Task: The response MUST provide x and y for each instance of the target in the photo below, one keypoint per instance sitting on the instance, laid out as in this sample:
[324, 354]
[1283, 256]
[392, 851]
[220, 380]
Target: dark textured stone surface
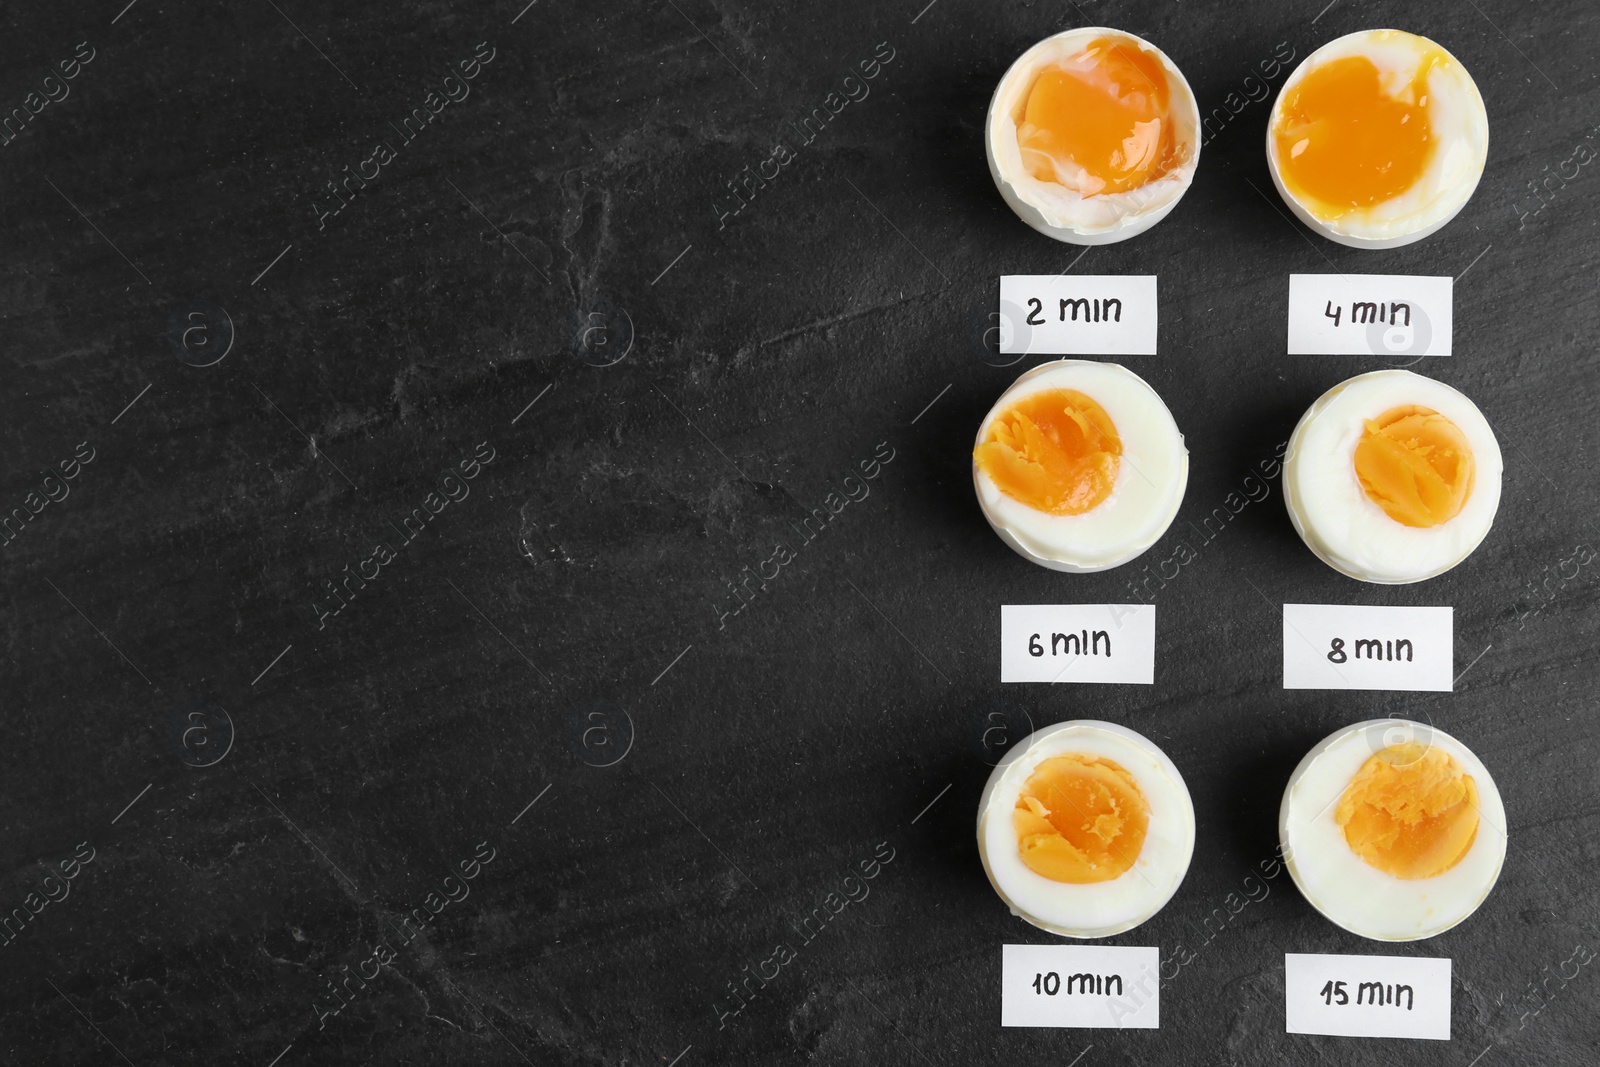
[526, 636]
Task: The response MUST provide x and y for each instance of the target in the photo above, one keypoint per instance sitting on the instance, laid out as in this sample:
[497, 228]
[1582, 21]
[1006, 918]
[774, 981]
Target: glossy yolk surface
[1056, 451]
[1080, 819]
[1344, 143]
[1410, 811]
[1416, 465]
[1098, 123]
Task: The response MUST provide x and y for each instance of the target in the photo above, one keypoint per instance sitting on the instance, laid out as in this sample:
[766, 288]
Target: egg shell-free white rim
[1147, 886]
[1309, 517]
[1331, 230]
[1183, 106]
[1487, 853]
[1070, 374]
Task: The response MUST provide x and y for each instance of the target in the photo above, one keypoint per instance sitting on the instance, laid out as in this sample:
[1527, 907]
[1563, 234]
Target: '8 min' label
[1343, 646]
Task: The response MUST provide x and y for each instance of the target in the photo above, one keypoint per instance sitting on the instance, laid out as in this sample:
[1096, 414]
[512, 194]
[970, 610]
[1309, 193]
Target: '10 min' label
[1080, 986]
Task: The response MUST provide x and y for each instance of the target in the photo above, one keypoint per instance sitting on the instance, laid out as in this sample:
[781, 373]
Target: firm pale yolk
[1056, 451]
[1416, 465]
[1410, 811]
[1098, 123]
[1345, 144]
[1080, 819]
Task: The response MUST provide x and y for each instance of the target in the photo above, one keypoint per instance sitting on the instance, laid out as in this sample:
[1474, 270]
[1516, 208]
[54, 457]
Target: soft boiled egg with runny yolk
[1378, 139]
[1085, 829]
[1079, 466]
[1098, 122]
[1391, 477]
[1093, 136]
[1393, 830]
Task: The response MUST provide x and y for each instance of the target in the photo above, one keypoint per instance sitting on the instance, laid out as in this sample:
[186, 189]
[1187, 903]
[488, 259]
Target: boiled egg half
[1085, 829]
[1393, 830]
[1093, 136]
[1079, 466]
[1391, 477]
[1378, 139]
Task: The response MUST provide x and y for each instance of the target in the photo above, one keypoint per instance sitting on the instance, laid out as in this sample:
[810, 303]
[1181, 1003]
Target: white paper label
[1078, 643]
[1080, 986]
[1370, 314]
[1078, 314]
[1338, 646]
[1367, 996]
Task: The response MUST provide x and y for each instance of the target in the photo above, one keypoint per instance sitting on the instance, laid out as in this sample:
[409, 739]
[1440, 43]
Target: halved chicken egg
[1085, 829]
[1093, 136]
[1378, 139]
[1393, 830]
[1391, 477]
[1079, 466]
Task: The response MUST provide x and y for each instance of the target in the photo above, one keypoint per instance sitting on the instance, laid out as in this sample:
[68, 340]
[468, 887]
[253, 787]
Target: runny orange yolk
[1410, 811]
[1416, 465]
[1098, 123]
[1344, 143]
[1056, 451]
[1080, 819]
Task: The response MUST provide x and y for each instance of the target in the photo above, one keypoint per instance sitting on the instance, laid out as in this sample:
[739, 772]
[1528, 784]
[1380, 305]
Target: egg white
[1456, 115]
[1151, 476]
[1333, 514]
[1098, 909]
[1344, 887]
[1063, 213]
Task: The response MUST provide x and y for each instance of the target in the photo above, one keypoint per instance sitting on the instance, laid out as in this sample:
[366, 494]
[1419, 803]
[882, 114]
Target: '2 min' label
[1078, 314]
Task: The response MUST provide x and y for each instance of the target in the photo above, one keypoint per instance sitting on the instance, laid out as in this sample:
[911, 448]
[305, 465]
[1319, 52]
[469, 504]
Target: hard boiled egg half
[1079, 466]
[1093, 136]
[1085, 829]
[1391, 477]
[1393, 830]
[1378, 139]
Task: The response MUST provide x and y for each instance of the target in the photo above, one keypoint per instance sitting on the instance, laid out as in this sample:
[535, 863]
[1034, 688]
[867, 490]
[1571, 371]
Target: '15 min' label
[1336, 646]
[1367, 996]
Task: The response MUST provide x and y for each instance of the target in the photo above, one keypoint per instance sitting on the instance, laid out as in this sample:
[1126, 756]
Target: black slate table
[429, 376]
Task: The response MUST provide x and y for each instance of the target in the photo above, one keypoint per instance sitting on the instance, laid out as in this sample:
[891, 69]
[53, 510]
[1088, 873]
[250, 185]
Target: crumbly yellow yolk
[1080, 819]
[1346, 143]
[1416, 465]
[1410, 811]
[1056, 451]
[1099, 124]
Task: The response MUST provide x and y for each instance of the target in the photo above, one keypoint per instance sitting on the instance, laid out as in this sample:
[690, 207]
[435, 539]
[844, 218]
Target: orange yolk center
[1344, 143]
[1080, 819]
[1056, 451]
[1098, 123]
[1410, 811]
[1416, 465]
